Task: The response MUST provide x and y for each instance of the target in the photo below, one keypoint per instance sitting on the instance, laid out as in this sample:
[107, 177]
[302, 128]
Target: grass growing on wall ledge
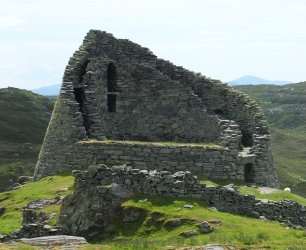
[173, 144]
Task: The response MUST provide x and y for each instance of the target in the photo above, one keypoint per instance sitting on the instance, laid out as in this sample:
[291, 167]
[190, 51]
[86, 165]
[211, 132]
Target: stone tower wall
[153, 101]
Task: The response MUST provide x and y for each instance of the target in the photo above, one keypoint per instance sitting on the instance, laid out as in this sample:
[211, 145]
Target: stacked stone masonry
[99, 179]
[214, 162]
[115, 89]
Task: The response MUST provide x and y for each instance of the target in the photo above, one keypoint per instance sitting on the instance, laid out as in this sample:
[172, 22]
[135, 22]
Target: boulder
[24, 179]
[131, 214]
[2, 210]
[205, 227]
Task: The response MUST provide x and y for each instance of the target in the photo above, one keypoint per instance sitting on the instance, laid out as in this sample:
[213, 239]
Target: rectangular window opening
[111, 103]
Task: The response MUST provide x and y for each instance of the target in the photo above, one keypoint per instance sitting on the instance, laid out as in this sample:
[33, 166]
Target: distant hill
[285, 109]
[24, 117]
[52, 90]
[246, 80]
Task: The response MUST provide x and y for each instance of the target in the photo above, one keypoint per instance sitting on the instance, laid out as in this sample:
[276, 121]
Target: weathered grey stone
[187, 109]
[92, 170]
[175, 222]
[204, 227]
[2, 210]
[55, 241]
[131, 214]
[120, 190]
[189, 233]
[24, 179]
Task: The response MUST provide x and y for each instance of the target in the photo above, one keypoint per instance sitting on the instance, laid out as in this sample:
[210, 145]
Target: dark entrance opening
[247, 139]
[111, 103]
[111, 78]
[111, 87]
[79, 95]
[82, 72]
[249, 172]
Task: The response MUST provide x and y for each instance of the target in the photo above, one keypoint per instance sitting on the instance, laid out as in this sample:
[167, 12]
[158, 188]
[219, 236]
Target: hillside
[162, 220]
[154, 222]
[24, 117]
[285, 109]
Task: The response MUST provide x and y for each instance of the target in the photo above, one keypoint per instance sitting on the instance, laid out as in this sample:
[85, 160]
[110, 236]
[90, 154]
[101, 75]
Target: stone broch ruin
[120, 104]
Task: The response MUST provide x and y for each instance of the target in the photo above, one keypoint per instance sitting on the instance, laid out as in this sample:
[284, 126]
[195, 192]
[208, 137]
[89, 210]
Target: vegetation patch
[15, 200]
[173, 144]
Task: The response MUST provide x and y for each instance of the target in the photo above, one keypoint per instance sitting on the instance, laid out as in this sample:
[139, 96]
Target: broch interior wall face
[115, 89]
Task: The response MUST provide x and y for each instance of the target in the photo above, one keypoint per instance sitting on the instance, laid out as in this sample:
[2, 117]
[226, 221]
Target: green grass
[174, 144]
[13, 201]
[240, 231]
[234, 229]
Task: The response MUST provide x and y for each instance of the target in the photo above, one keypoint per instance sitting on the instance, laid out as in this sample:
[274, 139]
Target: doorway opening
[249, 173]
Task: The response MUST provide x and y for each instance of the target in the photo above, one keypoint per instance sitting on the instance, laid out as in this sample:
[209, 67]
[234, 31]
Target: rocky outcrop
[85, 212]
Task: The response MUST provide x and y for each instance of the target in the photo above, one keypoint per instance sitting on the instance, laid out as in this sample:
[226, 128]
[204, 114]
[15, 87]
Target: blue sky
[222, 39]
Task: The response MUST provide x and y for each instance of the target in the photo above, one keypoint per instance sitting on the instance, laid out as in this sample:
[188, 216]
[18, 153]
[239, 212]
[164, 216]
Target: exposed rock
[205, 227]
[131, 214]
[2, 210]
[13, 187]
[92, 209]
[92, 171]
[254, 214]
[214, 247]
[28, 216]
[53, 241]
[175, 222]
[189, 233]
[213, 209]
[24, 179]
[121, 190]
[188, 206]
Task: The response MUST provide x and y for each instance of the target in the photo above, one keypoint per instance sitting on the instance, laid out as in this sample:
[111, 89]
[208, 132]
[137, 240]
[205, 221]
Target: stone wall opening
[111, 103]
[111, 78]
[79, 95]
[249, 172]
[247, 139]
[82, 72]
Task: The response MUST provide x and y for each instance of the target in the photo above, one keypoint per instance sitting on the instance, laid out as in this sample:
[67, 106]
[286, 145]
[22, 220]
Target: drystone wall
[115, 89]
[99, 191]
[213, 162]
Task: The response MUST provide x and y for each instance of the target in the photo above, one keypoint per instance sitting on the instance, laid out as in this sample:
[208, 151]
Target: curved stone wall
[115, 89]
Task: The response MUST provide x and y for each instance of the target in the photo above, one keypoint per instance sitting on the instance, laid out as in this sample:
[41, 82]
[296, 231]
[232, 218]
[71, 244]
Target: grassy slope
[285, 109]
[234, 229]
[24, 117]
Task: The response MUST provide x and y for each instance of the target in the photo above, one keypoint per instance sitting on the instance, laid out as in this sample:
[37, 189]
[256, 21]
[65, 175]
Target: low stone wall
[96, 187]
[213, 162]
